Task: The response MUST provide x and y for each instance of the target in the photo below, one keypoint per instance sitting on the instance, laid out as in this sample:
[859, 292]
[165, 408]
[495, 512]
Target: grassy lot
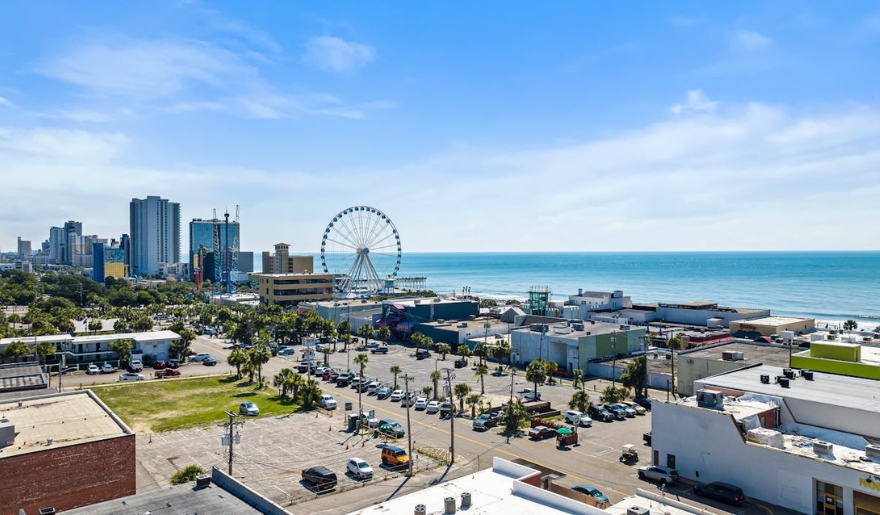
[172, 404]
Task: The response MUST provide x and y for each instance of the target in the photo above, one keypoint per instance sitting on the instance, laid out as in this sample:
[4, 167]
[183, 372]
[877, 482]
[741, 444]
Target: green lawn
[167, 405]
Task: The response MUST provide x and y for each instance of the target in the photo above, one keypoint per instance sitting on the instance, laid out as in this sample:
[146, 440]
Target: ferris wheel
[362, 245]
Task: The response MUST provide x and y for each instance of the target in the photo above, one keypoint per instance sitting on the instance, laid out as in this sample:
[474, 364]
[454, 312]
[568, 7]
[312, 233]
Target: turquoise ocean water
[829, 286]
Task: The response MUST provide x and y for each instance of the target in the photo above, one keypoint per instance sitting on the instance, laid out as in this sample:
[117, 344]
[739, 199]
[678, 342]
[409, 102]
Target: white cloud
[751, 40]
[696, 102]
[335, 54]
[5, 102]
[50, 144]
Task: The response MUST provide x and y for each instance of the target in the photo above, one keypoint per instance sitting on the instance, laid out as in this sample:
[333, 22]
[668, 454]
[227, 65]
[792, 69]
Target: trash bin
[352, 422]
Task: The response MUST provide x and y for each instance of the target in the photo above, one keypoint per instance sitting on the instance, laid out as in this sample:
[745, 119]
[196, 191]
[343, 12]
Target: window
[829, 499]
[670, 461]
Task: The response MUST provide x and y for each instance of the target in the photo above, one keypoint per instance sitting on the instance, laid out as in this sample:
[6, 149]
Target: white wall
[708, 447]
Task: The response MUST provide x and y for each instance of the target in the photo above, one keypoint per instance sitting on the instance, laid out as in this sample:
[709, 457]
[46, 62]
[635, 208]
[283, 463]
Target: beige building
[291, 289]
[771, 325]
[283, 263]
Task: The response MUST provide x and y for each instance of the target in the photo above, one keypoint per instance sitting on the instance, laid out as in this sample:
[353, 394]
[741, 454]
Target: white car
[360, 469]
[93, 369]
[136, 365]
[107, 368]
[129, 376]
[432, 407]
[327, 402]
[396, 395]
[373, 387]
[421, 403]
[408, 400]
[576, 418]
[200, 357]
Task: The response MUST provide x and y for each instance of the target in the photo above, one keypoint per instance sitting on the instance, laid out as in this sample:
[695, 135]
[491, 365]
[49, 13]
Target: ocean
[827, 286]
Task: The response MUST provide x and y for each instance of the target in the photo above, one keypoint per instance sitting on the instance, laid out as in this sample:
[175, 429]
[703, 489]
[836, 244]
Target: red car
[159, 365]
[541, 432]
[168, 372]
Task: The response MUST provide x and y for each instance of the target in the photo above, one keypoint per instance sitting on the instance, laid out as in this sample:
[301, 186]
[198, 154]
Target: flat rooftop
[69, 418]
[870, 355]
[149, 336]
[850, 392]
[25, 376]
[30, 340]
[776, 356]
[774, 320]
[175, 499]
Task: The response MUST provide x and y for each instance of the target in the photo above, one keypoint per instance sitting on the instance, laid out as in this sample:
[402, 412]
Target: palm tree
[611, 394]
[634, 376]
[444, 349]
[122, 348]
[472, 400]
[95, 325]
[435, 376]
[260, 355]
[481, 351]
[294, 383]
[43, 350]
[280, 381]
[186, 337]
[310, 393]
[426, 391]
[464, 351]
[499, 352]
[248, 368]
[384, 333]
[461, 390]
[551, 367]
[850, 325]
[17, 349]
[580, 400]
[361, 359]
[237, 358]
[366, 332]
[512, 414]
[536, 373]
[482, 371]
[395, 369]
[577, 378]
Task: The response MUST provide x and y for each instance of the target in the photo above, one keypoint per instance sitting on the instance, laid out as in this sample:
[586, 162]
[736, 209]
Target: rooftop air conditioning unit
[739, 356]
[638, 510]
[783, 381]
[787, 372]
[820, 447]
[808, 375]
[872, 451]
[203, 480]
[765, 378]
[710, 398]
[728, 355]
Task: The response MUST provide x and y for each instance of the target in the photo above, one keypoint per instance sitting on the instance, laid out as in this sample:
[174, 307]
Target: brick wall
[68, 477]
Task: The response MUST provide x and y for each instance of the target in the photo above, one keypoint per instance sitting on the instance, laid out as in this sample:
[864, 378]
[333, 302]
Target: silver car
[662, 475]
[360, 469]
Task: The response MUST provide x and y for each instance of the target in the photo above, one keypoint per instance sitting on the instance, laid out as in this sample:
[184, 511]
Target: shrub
[186, 475]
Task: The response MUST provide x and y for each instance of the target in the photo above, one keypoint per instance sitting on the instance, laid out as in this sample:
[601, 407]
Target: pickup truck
[530, 395]
[383, 349]
[485, 421]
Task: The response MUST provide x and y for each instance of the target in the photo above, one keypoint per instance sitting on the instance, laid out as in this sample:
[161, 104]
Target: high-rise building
[212, 235]
[283, 263]
[72, 231]
[155, 234]
[107, 261]
[125, 245]
[24, 247]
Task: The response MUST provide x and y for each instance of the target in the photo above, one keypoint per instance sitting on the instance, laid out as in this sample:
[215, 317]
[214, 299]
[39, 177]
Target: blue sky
[476, 126]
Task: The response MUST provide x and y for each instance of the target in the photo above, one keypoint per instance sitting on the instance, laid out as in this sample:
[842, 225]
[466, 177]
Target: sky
[475, 126]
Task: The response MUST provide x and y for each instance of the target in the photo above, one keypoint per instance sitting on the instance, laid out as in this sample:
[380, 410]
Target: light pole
[614, 359]
[449, 377]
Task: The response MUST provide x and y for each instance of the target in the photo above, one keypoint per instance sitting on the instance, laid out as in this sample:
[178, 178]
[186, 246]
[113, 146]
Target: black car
[645, 403]
[461, 363]
[445, 410]
[720, 491]
[302, 369]
[599, 413]
[320, 479]
[422, 354]
[210, 362]
[173, 363]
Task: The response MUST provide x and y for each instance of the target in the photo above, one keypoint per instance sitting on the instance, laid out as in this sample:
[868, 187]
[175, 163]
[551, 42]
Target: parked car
[320, 479]
[380, 350]
[461, 362]
[541, 432]
[381, 393]
[639, 410]
[663, 475]
[530, 395]
[721, 491]
[287, 351]
[210, 362]
[107, 369]
[485, 421]
[373, 387]
[393, 456]
[445, 409]
[645, 403]
[136, 365]
[432, 407]
[396, 395]
[600, 413]
[173, 363]
[421, 403]
[93, 369]
[392, 427]
[422, 354]
[248, 408]
[360, 469]
[130, 376]
[302, 368]
[327, 402]
[576, 418]
[344, 379]
[592, 492]
[168, 372]
[366, 421]
[616, 410]
[627, 410]
[160, 365]
[408, 400]
[202, 356]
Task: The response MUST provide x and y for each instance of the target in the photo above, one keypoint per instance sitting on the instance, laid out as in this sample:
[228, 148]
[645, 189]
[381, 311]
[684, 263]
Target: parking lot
[275, 450]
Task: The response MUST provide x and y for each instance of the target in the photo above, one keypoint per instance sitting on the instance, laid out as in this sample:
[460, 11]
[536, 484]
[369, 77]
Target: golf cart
[630, 455]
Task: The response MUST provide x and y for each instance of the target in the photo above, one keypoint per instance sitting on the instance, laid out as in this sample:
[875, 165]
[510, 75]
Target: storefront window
[829, 499]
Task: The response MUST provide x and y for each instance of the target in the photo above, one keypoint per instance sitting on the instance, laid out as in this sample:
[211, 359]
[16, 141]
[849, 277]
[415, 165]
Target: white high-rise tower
[155, 234]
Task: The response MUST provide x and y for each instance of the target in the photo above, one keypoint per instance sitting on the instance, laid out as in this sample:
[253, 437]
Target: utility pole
[230, 438]
[449, 377]
[406, 379]
[614, 359]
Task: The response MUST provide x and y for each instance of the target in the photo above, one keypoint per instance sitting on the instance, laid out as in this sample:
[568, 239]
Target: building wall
[68, 477]
[804, 360]
[708, 447]
[701, 316]
[690, 369]
[294, 288]
[749, 326]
